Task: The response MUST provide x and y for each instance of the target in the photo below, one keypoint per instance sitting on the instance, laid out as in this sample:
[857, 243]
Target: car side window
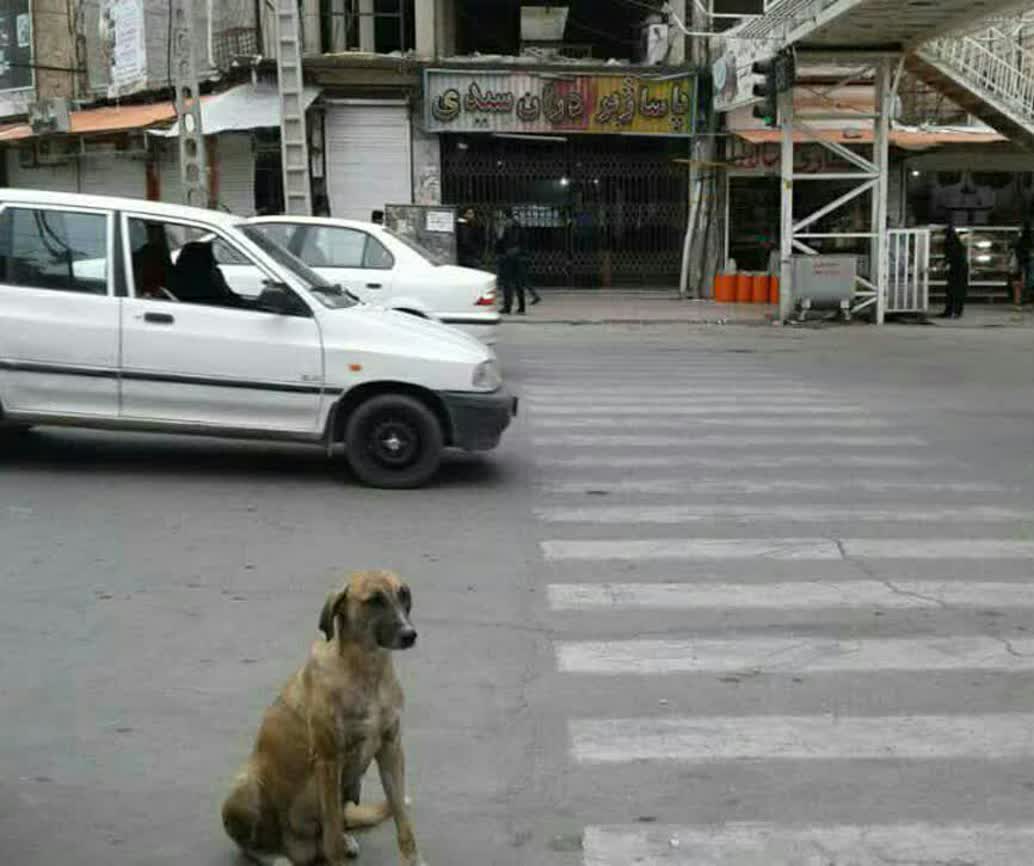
[377, 257]
[59, 250]
[334, 248]
[176, 262]
[278, 233]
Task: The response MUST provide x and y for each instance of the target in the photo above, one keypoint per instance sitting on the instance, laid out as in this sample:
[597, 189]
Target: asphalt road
[725, 596]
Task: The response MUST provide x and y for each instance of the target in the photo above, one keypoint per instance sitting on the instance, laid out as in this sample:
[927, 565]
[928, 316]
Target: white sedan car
[386, 270]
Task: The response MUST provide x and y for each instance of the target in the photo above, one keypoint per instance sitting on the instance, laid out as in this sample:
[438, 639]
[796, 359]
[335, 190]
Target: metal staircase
[988, 72]
[293, 136]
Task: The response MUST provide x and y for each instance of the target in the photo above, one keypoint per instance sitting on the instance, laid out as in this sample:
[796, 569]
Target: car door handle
[160, 318]
[375, 285]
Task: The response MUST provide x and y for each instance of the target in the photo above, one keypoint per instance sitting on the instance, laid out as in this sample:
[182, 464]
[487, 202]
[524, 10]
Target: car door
[195, 352]
[59, 316]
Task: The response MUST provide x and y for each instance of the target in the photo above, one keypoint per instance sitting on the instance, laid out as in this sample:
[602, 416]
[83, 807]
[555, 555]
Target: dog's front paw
[351, 846]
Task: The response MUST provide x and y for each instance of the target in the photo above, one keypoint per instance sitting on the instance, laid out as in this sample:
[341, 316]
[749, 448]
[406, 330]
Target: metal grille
[597, 211]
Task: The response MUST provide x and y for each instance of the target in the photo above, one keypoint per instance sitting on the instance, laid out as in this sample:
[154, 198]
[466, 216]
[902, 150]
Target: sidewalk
[655, 306]
[663, 306]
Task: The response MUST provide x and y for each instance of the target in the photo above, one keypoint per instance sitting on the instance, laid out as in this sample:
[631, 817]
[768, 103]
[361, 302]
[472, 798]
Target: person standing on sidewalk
[509, 249]
[1020, 265]
[958, 274]
[470, 240]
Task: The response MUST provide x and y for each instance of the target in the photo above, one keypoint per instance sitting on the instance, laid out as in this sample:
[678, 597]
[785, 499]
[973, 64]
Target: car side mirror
[276, 298]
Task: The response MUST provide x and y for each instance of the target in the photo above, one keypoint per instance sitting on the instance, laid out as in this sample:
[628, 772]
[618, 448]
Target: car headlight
[487, 376]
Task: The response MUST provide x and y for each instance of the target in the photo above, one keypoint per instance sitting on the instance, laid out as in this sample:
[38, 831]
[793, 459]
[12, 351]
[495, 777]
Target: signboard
[536, 102]
[16, 54]
[123, 45]
[734, 83]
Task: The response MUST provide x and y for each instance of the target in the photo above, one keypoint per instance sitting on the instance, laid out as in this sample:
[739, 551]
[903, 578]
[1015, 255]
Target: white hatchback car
[383, 268]
[115, 314]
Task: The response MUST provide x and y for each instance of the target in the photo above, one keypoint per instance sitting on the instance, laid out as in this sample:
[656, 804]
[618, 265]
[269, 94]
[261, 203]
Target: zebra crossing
[733, 526]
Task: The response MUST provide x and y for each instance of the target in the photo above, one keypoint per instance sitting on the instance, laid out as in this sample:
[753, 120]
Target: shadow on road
[83, 452]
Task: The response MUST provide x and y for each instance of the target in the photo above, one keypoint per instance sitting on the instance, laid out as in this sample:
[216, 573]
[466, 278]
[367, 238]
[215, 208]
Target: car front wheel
[394, 442]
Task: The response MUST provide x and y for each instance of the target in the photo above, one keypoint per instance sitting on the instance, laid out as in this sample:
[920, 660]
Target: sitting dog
[298, 794]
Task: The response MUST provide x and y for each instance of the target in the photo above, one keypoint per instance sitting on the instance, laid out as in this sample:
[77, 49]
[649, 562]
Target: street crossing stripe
[803, 738]
[677, 514]
[705, 409]
[835, 426]
[796, 595]
[591, 440]
[786, 549]
[811, 460]
[794, 655]
[758, 844]
[754, 487]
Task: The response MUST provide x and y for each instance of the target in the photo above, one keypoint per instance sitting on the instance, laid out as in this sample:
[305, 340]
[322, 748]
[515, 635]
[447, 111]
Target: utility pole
[193, 158]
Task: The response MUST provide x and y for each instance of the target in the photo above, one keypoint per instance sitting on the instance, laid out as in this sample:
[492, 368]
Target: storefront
[593, 165]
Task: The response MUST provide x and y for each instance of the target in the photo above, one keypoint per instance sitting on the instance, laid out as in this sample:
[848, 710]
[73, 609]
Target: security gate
[597, 210]
[908, 282]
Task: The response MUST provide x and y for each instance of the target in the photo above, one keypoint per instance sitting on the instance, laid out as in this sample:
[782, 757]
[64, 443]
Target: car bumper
[479, 420]
[483, 327]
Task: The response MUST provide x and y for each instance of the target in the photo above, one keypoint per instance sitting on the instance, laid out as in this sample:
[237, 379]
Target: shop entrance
[598, 211]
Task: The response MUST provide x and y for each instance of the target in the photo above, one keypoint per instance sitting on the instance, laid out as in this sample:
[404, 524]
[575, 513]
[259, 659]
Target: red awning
[115, 118]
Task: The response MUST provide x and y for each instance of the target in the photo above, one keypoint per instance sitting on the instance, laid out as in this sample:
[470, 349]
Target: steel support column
[786, 235]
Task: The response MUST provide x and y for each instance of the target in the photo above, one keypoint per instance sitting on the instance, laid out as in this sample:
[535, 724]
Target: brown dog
[299, 791]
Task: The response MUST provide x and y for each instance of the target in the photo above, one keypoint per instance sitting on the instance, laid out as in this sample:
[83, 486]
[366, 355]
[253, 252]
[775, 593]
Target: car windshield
[326, 292]
[435, 259]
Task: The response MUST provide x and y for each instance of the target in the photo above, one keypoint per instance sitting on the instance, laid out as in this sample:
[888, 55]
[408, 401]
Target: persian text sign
[529, 102]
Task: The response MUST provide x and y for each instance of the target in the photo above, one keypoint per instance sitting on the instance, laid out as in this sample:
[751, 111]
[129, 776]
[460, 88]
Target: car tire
[394, 442]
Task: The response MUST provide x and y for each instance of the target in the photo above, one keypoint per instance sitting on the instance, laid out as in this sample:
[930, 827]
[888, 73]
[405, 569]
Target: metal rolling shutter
[369, 157]
[108, 174]
[51, 178]
[236, 157]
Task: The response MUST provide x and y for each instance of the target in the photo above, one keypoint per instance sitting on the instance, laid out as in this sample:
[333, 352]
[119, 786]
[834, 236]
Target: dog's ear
[330, 612]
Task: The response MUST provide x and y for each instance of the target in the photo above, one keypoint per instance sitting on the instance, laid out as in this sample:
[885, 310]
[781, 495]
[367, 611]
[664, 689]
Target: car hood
[424, 333]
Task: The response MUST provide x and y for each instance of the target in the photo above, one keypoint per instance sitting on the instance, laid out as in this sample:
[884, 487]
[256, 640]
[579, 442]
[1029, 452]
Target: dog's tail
[366, 817]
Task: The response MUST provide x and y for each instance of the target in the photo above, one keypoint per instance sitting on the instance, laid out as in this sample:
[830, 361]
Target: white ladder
[293, 136]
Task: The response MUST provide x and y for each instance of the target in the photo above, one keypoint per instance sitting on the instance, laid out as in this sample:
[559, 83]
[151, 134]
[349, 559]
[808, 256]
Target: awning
[906, 139]
[249, 106]
[93, 121]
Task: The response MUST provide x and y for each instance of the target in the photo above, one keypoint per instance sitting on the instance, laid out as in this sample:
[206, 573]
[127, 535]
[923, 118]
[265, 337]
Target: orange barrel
[744, 288]
[725, 288]
[759, 288]
[773, 290]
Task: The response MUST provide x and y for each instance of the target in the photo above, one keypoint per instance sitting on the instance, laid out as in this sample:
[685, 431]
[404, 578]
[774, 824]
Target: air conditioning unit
[50, 116]
[543, 23]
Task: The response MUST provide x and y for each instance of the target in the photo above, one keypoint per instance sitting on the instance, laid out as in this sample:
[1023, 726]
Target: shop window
[381, 26]
[57, 250]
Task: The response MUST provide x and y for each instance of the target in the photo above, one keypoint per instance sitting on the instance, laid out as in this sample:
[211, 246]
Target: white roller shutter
[110, 174]
[236, 157]
[51, 178]
[369, 157]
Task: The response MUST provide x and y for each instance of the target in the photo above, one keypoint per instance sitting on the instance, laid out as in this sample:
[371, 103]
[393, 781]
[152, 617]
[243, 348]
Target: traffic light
[779, 75]
[768, 109]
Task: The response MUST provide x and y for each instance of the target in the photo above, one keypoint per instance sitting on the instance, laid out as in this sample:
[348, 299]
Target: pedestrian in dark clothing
[470, 240]
[1020, 264]
[508, 249]
[958, 275]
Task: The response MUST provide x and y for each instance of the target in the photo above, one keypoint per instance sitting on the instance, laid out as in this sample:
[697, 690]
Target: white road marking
[796, 595]
[677, 514]
[787, 549]
[744, 461]
[808, 424]
[604, 401]
[757, 844]
[693, 548]
[708, 410]
[794, 655]
[803, 738]
[711, 441]
[754, 487]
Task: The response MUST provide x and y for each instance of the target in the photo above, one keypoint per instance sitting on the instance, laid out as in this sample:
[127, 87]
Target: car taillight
[487, 299]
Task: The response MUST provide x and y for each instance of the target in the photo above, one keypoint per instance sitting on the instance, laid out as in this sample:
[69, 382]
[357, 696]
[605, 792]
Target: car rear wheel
[394, 442]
